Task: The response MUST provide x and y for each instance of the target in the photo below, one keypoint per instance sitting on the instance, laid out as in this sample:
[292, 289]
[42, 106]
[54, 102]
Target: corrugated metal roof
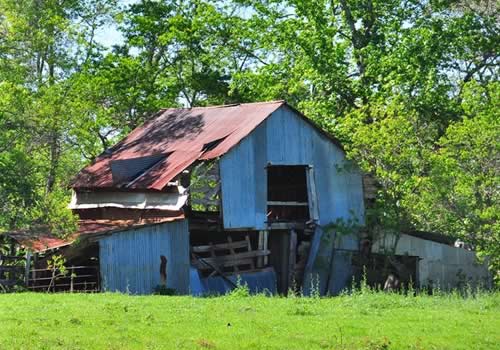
[182, 136]
[40, 240]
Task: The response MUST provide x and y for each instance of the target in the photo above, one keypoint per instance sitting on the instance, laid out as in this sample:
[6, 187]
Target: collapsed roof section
[40, 240]
[156, 152]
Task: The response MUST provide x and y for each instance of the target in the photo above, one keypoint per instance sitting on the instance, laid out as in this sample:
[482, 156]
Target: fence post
[98, 282]
[27, 269]
[71, 279]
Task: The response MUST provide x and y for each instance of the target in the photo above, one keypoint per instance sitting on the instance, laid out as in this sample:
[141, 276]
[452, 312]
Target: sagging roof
[172, 140]
[432, 236]
[39, 240]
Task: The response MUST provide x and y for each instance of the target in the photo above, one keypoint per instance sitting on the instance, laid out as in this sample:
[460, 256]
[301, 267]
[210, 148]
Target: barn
[197, 200]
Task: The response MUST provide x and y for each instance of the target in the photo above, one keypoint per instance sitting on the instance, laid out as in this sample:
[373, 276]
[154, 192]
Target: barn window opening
[204, 187]
[287, 193]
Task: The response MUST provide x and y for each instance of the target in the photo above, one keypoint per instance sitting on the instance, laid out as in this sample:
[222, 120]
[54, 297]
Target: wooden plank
[311, 194]
[202, 266]
[27, 268]
[75, 268]
[260, 260]
[227, 259]
[63, 285]
[247, 238]
[265, 269]
[61, 277]
[219, 246]
[287, 204]
[285, 225]
[266, 237]
[292, 258]
[212, 254]
[232, 252]
[35, 262]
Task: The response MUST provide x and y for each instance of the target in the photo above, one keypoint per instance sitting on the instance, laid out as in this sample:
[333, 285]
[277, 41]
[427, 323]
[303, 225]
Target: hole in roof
[212, 144]
[125, 170]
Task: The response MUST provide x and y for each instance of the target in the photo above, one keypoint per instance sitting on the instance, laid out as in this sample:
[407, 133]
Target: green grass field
[369, 321]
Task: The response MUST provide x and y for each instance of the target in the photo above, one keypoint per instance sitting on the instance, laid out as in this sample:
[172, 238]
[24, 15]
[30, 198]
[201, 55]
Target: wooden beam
[201, 265]
[232, 252]
[219, 246]
[292, 257]
[266, 236]
[260, 246]
[231, 259]
[311, 194]
[286, 225]
[252, 264]
[27, 267]
[263, 238]
[287, 204]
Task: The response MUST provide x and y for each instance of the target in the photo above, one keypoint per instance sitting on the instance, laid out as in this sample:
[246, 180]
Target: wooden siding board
[130, 260]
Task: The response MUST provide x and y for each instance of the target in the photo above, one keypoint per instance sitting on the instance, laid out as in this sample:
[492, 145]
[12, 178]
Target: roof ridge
[224, 105]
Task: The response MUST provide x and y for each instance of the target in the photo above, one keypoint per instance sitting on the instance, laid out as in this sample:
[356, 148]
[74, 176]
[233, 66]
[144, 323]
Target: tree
[392, 80]
[44, 44]
[461, 195]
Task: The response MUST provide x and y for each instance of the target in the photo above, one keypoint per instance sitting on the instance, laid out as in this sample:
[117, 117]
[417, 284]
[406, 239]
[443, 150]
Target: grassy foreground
[362, 321]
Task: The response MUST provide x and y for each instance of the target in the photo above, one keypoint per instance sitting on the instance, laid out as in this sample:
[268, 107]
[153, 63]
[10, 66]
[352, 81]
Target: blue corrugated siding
[257, 282]
[286, 139]
[130, 260]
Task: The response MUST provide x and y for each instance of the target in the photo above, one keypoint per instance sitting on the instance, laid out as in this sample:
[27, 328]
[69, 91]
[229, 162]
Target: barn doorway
[291, 216]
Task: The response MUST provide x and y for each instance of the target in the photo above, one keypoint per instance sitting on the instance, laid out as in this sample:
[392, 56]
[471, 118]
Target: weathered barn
[196, 197]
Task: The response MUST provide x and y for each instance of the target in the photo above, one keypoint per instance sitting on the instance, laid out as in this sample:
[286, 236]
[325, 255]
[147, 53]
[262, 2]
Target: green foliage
[240, 291]
[57, 263]
[163, 290]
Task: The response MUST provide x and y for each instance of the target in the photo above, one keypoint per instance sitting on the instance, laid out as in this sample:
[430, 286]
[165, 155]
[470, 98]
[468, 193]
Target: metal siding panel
[238, 197]
[318, 263]
[130, 260]
[259, 137]
[286, 139]
[341, 272]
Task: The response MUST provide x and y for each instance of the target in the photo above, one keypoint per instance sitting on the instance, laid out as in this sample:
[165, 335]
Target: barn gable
[286, 139]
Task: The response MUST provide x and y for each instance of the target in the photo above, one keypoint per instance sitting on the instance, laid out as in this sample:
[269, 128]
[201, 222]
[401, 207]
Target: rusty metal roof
[173, 139]
[40, 240]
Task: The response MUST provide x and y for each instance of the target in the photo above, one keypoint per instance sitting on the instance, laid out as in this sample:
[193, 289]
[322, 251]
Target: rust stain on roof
[40, 240]
[182, 136]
